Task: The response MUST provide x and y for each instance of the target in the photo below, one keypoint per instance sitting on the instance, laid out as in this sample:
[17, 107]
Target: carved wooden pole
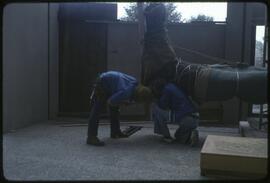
[141, 30]
[140, 24]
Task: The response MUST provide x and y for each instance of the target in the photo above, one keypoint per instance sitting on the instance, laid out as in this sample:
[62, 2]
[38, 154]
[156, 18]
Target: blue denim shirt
[174, 99]
[119, 86]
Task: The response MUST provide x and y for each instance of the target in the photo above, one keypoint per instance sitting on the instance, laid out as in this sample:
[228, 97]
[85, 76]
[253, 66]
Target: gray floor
[54, 152]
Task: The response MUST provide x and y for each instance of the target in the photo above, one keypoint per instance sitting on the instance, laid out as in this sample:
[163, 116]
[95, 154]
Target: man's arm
[122, 96]
[164, 101]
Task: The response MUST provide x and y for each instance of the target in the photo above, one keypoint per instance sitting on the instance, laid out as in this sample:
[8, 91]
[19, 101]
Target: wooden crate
[242, 157]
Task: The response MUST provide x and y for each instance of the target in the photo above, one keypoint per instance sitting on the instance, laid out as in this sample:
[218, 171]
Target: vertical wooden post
[140, 24]
[265, 60]
[141, 30]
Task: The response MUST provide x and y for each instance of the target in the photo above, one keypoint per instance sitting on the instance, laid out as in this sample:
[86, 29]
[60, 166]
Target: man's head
[143, 94]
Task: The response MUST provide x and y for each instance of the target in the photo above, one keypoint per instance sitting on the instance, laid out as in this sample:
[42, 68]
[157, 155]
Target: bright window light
[214, 9]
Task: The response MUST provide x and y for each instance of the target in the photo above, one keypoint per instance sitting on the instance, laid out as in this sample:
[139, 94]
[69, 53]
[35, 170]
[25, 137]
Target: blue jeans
[93, 123]
[160, 118]
[186, 125]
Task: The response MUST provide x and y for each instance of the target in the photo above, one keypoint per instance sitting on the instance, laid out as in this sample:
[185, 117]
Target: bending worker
[113, 88]
[185, 115]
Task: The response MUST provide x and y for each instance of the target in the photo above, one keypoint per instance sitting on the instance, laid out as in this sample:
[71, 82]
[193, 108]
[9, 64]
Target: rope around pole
[219, 60]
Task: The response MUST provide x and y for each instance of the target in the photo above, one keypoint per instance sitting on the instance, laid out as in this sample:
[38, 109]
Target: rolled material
[221, 82]
[253, 85]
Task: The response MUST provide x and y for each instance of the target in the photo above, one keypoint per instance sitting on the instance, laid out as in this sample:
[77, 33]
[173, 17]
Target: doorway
[82, 56]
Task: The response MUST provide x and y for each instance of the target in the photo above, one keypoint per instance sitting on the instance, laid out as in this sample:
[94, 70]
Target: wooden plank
[234, 157]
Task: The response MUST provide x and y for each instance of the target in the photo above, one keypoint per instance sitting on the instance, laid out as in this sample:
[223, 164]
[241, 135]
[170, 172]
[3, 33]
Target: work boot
[168, 140]
[119, 135]
[194, 138]
[94, 141]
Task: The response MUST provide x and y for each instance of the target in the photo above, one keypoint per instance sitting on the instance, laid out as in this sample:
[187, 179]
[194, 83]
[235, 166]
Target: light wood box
[242, 157]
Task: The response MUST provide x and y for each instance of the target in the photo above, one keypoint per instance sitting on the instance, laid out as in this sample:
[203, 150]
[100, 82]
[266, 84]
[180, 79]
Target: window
[184, 12]
[259, 61]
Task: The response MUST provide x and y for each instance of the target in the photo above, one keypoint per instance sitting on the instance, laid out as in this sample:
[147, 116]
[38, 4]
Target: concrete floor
[50, 151]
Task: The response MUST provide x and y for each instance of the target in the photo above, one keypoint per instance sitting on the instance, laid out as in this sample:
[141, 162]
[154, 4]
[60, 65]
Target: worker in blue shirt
[113, 88]
[184, 114]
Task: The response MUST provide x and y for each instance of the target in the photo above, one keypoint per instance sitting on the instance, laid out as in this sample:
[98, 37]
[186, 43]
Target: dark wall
[124, 55]
[89, 11]
[195, 40]
[25, 64]
[82, 53]
[53, 61]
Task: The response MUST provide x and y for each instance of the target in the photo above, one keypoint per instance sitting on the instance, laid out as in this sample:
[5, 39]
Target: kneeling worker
[185, 115]
[113, 88]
